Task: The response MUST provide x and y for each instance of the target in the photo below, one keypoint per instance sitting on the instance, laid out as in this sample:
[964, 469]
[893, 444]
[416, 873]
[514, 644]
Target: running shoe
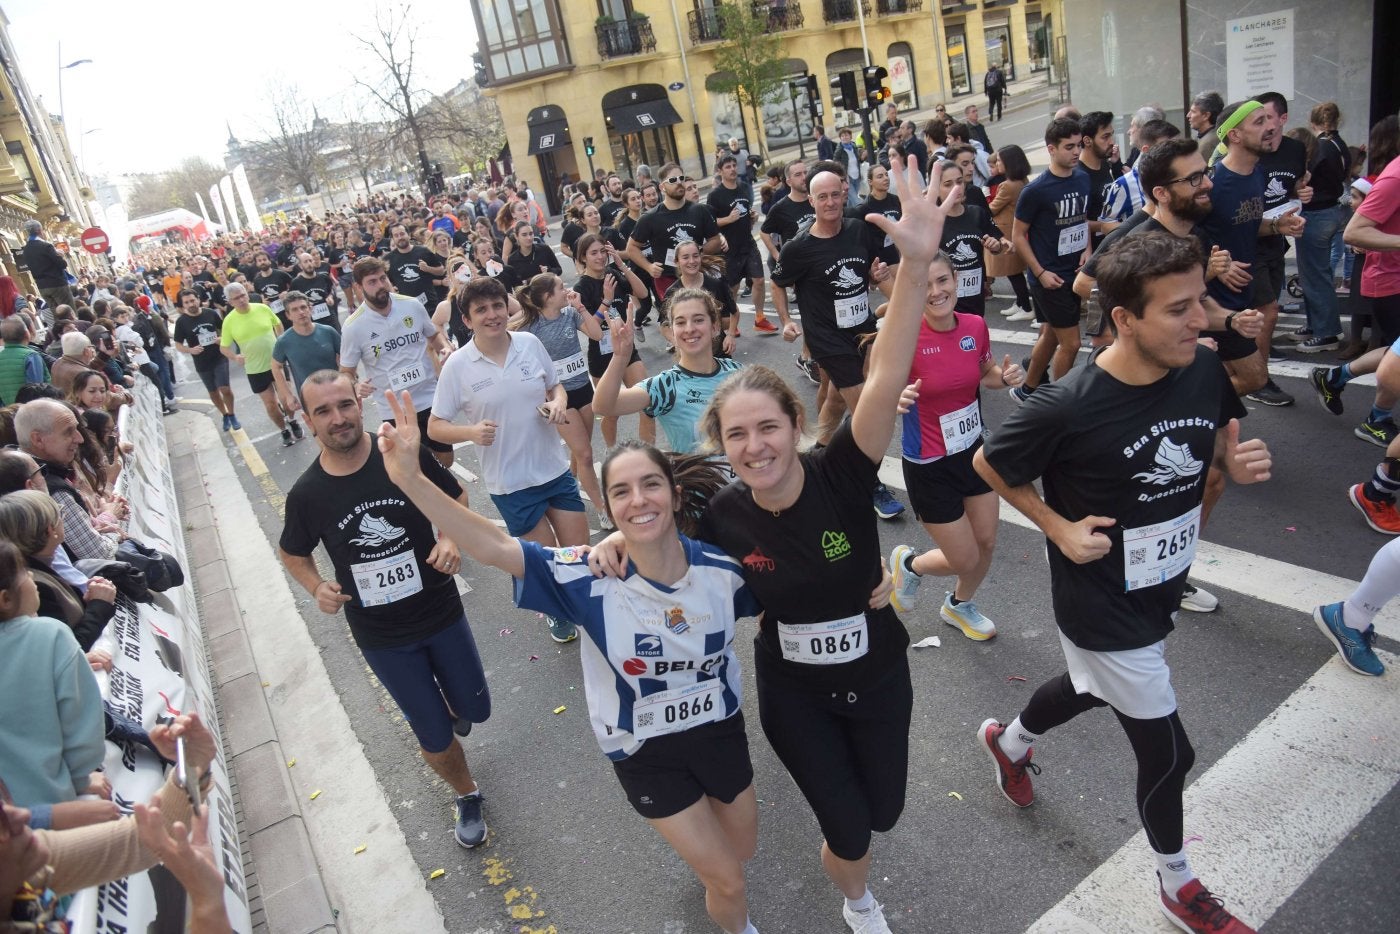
[1343, 288]
[968, 618]
[1330, 396]
[906, 582]
[1010, 310]
[471, 826]
[1318, 344]
[234, 423]
[1355, 646]
[1012, 779]
[295, 425]
[810, 369]
[1195, 909]
[1020, 393]
[764, 326]
[640, 334]
[561, 630]
[1197, 600]
[1021, 314]
[228, 422]
[1381, 516]
[1270, 394]
[1301, 334]
[870, 921]
[747, 290]
[1380, 433]
[287, 439]
[886, 506]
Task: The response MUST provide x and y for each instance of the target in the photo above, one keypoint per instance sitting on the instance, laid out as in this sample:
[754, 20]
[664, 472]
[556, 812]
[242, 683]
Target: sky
[166, 74]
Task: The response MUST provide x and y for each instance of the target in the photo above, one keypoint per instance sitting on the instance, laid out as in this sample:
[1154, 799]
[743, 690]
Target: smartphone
[184, 775]
[543, 409]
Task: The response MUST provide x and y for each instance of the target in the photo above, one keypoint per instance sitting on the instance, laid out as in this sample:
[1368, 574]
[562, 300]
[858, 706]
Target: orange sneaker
[1381, 516]
[764, 326]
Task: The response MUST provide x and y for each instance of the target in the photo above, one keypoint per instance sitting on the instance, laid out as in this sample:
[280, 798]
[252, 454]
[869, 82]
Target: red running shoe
[764, 326]
[1381, 516]
[1011, 776]
[1195, 909]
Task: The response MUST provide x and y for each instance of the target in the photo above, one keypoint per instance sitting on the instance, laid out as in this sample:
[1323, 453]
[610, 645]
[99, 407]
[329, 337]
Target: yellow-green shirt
[254, 333]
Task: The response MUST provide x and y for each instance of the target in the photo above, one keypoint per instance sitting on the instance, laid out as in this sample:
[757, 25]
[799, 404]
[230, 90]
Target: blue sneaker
[1353, 646]
[471, 826]
[561, 630]
[234, 424]
[968, 618]
[906, 582]
[1020, 393]
[886, 506]
[227, 423]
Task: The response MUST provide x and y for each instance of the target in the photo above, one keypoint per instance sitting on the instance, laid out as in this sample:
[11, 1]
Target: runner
[1120, 447]
[690, 264]
[314, 282]
[393, 578]
[627, 222]
[788, 216]
[531, 256]
[601, 266]
[553, 316]
[942, 432]
[253, 328]
[731, 203]
[663, 700]
[305, 349]
[197, 334]
[1052, 233]
[397, 342]
[1096, 159]
[1348, 624]
[270, 284]
[500, 392]
[663, 229]
[880, 201]
[412, 267]
[968, 233]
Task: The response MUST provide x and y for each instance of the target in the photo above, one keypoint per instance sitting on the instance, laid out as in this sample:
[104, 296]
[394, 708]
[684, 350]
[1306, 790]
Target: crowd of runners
[455, 317]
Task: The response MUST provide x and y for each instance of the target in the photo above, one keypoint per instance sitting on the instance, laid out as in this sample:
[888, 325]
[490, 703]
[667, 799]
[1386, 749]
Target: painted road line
[181, 400]
[1268, 811]
[256, 464]
[1277, 582]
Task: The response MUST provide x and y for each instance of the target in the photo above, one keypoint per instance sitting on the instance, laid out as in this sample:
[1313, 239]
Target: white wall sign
[901, 81]
[1259, 55]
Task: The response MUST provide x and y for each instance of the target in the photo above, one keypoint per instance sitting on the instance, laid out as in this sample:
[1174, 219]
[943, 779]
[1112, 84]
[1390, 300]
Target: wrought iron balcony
[630, 37]
[895, 7]
[781, 15]
[705, 25]
[843, 11]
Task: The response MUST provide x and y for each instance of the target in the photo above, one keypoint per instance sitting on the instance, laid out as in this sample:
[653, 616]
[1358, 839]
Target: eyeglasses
[677, 179]
[1194, 179]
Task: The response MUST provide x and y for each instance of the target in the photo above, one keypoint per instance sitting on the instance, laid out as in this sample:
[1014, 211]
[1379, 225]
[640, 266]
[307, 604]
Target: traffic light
[588, 149]
[813, 93]
[875, 91]
[844, 93]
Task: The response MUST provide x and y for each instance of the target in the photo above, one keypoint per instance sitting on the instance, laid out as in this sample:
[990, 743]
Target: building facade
[638, 76]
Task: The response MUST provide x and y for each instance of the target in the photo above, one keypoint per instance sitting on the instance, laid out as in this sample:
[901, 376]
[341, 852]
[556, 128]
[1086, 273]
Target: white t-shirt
[135, 347]
[393, 348]
[527, 451]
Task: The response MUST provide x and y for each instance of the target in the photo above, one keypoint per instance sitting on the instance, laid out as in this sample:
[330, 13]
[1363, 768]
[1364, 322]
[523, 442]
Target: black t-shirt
[831, 277]
[569, 236]
[1100, 181]
[662, 229]
[271, 285]
[1135, 454]
[201, 330]
[1055, 211]
[321, 291]
[1236, 208]
[721, 201]
[888, 206]
[609, 210]
[1329, 168]
[590, 293]
[1134, 221]
[404, 273]
[541, 259]
[378, 543]
[1282, 168]
[962, 241]
[786, 219]
[817, 561]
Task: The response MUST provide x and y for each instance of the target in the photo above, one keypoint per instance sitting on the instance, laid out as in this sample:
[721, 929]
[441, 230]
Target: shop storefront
[640, 119]
[552, 148]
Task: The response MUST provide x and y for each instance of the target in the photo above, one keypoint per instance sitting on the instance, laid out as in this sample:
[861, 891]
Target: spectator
[48, 431]
[78, 356]
[1202, 117]
[19, 363]
[46, 265]
[11, 301]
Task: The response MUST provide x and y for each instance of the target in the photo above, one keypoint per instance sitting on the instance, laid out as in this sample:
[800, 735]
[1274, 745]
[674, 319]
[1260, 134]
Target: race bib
[207, 338]
[829, 643]
[387, 580]
[570, 366]
[678, 709]
[852, 312]
[1074, 239]
[1156, 553]
[670, 261]
[423, 299]
[276, 305]
[407, 377]
[320, 310]
[962, 428]
[969, 282]
[605, 345]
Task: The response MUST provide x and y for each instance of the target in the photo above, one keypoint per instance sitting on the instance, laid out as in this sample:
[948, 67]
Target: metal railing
[630, 37]
[843, 11]
[895, 7]
[706, 25]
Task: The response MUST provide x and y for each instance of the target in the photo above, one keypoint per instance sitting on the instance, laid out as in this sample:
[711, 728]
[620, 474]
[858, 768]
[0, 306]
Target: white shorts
[1134, 682]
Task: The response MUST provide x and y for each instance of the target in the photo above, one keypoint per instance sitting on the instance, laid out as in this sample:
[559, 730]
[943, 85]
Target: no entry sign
[94, 240]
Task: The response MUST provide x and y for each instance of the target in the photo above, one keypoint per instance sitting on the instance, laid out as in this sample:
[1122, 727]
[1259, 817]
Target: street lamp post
[62, 114]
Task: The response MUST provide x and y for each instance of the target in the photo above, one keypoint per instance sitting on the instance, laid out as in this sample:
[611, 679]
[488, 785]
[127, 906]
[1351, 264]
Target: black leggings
[1164, 755]
[1022, 290]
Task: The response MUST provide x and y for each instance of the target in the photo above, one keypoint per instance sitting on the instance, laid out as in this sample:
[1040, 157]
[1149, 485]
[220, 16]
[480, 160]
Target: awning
[643, 115]
[549, 136]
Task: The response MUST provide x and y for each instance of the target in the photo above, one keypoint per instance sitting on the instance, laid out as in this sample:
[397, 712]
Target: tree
[155, 192]
[466, 124]
[749, 62]
[365, 148]
[393, 48]
[294, 147]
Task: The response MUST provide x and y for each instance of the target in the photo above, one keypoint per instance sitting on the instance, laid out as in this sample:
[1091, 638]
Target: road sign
[676, 85]
[94, 240]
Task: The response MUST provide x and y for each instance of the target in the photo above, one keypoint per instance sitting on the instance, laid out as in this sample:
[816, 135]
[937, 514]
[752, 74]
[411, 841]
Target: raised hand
[399, 441]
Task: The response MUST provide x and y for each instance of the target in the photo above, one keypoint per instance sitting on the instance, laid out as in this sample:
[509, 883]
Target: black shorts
[848, 753]
[844, 370]
[423, 417]
[937, 489]
[598, 364]
[216, 376]
[1231, 346]
[1057, 307]
[670, 773]
[260, 382]
[1269, 278]
[581, 396]
[742, 264]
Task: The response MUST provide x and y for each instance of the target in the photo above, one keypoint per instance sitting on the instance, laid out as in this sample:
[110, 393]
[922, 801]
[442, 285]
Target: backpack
[993, 80]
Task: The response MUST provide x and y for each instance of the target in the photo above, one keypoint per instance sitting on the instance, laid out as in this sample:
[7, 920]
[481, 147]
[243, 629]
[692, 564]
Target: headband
[1235, 119]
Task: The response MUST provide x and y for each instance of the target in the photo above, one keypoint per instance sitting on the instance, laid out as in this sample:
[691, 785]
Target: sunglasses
[678, 179]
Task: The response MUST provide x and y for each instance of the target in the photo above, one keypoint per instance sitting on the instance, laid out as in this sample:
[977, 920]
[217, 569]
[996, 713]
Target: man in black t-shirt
[412, 268]
[197, 333]
[393, 577]
[1096, 160]
[1121, 446]
[612, 200]
[786, 218]
[316, 283]
[731, 203]
[671, 222]
[271, 284]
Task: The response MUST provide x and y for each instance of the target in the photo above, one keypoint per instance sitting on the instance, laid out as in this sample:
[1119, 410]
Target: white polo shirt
[393, 348]
[527, 451]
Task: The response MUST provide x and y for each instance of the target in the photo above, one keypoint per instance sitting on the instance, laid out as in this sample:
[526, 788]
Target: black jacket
[45, 264]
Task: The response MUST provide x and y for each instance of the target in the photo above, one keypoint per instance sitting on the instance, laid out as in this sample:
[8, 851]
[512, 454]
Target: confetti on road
[315, 794]
[933, 641]
[1014, 678]
[291, 762]
[560, 709]
[506, 632]
[1290, 528]
[360, 849]
[534, 658]
[437, 873]
[954, 794]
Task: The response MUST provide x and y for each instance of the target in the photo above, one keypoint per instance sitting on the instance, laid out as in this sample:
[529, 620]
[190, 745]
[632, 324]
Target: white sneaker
[1009, 310]
[866, 922]
[1197, 600]
[1021, 315]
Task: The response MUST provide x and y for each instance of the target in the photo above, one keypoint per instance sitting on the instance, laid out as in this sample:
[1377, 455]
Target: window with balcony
[896, 7]
[780, 15]
[521, 37]
[842, 11]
